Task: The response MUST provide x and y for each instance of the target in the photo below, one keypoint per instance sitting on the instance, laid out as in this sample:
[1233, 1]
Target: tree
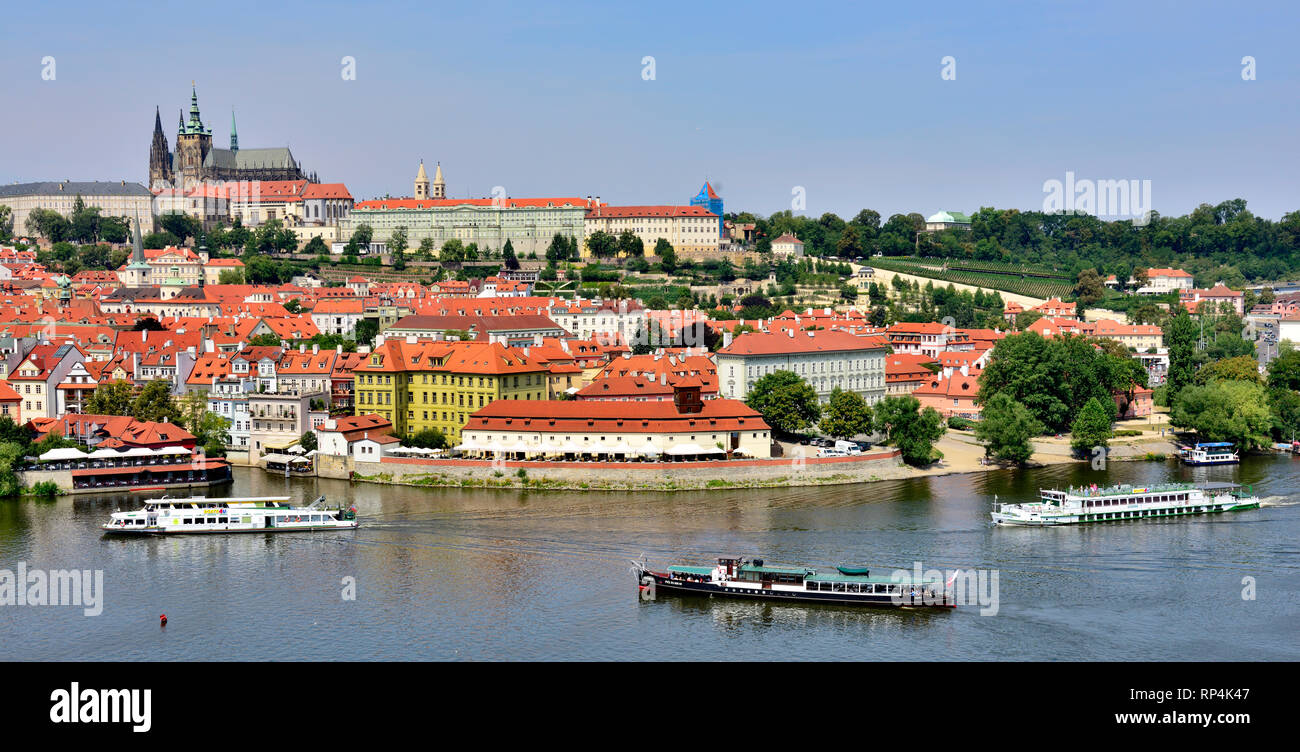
[316, 247]
[366, 330]
[667, 256]
[1284, 407]
[231, 277]
[1181, 338]
[111, 398]
[1005, 428]
[148, 323]
[452, 251]
[1090, 287]
[397, 245]
[360, 240]
[602, 245]
[1235, 411]
[508, 255]
[428, 438]
[630, 244]
[786, 402]
[1092, 427]
[308, 441]
[1284, 370]
[846, 415]
[154, 403]
[1240, 368]
[910, 428]
[265, 340]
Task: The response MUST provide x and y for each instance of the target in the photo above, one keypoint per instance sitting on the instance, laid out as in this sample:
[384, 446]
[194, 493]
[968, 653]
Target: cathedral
[195, 160]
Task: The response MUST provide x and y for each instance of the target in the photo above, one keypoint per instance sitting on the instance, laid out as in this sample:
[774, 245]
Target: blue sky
[843, 99]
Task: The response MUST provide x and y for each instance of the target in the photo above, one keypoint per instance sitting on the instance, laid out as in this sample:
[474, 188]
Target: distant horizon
[845, 106]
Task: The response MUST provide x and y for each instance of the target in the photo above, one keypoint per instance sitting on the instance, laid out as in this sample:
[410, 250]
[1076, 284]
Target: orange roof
[824, 340]
[507, 203]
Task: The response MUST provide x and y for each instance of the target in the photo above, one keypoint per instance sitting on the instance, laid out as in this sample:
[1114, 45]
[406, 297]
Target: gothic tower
[192, 146]
[421, 183]
[439, 187]
[234, 136]
[160, 159]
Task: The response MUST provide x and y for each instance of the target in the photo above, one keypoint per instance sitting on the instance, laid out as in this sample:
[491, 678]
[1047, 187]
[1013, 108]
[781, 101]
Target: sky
[845, 104]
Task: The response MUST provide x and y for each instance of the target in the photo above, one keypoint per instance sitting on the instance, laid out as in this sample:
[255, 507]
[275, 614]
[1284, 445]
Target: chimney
[302, 348]
[144, 335]
[965, 369]
[315, 349]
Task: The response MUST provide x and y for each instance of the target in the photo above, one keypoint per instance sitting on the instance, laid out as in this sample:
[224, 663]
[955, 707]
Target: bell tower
[421, 183]
[160, 158]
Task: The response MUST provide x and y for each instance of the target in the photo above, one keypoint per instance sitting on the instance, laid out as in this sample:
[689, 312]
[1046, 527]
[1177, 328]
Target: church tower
[421, 183]
[439, 187]
[160, 158]
[234, 135]
[137, 272]
[192, 146]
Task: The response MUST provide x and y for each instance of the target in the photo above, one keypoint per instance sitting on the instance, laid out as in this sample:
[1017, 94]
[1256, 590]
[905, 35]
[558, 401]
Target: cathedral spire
[234, 136]
[137, 244]
[157, 120]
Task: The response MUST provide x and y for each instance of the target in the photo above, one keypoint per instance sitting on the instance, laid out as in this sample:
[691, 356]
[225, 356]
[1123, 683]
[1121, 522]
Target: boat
[1209, 453]
[755, 579]
[1124, 502]
[199, 514]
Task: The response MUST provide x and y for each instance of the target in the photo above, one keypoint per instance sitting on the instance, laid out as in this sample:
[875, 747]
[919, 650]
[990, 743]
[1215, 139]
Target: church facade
[195, 160]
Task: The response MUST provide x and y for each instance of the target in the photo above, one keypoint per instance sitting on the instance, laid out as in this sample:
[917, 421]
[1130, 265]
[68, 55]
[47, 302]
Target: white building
[824, 358]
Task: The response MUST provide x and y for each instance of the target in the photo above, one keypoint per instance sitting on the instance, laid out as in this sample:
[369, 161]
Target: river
[503, 575]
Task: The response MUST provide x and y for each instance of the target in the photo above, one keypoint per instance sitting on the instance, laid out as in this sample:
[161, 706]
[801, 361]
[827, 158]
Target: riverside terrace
[134, 469]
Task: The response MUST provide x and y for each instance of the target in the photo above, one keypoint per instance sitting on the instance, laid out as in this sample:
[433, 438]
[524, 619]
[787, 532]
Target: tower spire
[234, 136]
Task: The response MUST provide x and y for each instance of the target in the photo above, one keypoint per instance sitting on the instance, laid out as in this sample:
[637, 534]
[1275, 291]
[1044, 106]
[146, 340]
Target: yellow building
[423, 384]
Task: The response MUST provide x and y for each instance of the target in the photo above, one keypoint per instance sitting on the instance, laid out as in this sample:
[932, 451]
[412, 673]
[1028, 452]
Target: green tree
[452, 251]
[602, 245]
[846, 414]
[910, 428]
[397, 245]
[111, 398]
[667, 255]
[1240, 368]
[630, 244]
[1284, 370]
[231, 277]
[428, 438]
[308, 441]
[1236, 411]
[1005, 428]
[1090, 287]
[508, 255]
[366, 331]
[1092, 427]
[265, 340]
[1180, 335]
[786, 402]
[154, 403]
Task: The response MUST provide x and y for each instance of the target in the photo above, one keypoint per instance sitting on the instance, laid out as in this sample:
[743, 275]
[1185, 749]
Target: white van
[848, 447]
[831, 452]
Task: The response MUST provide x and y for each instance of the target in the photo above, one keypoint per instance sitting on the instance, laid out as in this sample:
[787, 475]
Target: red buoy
[162, 620]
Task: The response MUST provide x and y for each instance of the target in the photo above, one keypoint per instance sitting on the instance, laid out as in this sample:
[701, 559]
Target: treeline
[1224, 242]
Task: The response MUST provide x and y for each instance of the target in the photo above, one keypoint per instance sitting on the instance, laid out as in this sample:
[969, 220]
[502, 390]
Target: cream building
[114, 199]
[824, 358]
[692, 230]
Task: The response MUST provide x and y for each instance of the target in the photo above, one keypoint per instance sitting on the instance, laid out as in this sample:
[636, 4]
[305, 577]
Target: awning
[62, 454]
[648, 450]
[104, 454]
[138, 452]
[172, 450]
[468, 446]
[280, 459]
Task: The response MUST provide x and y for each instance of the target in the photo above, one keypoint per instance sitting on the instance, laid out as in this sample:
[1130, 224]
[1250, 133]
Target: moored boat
[1209, 453]
[1121, 503]
[755, 579]
[200, 514]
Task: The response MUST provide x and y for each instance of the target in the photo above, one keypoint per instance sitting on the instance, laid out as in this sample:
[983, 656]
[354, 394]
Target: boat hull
[1010, 520]
[128, 532]
[664, 583]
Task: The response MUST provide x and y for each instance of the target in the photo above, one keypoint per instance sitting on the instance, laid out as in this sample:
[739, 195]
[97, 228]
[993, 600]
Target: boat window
[811, 586]
[839, 587]
[825, 586]
[853, 587]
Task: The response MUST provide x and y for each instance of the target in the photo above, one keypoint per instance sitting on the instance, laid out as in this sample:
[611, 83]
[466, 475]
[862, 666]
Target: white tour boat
[1093, 504]
[199, 514]
[1209, 453]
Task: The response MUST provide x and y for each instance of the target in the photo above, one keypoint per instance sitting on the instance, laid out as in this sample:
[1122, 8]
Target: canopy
[173, 450]
[138, 452]
[569, 446]
[648, 450]
[622, 447]
[103, 454]
[519, 446]
[494, 447]
[63, 453]
[596, 447]
[468, 446]
[299, 459]
[282, 459]
[296, 449]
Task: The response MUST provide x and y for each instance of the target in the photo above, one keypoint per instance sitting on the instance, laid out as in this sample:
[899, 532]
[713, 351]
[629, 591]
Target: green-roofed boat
[744, 577]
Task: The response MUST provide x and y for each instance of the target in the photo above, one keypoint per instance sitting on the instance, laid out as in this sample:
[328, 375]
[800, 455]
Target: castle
[195, 160]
